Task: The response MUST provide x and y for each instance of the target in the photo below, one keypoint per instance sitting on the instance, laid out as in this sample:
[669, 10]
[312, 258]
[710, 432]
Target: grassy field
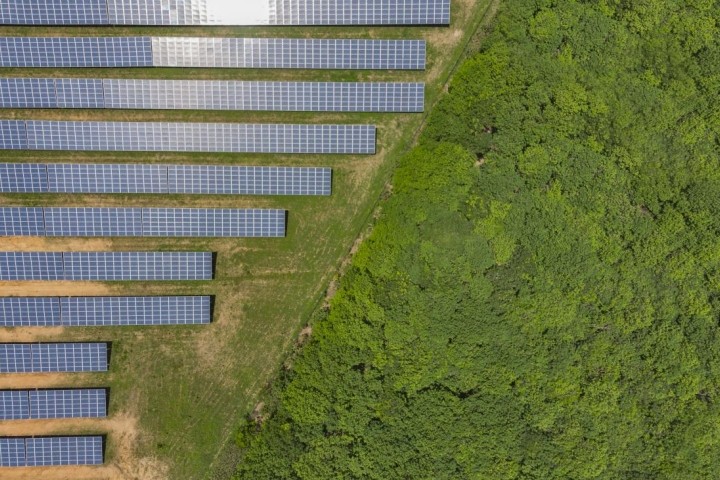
[178, 393]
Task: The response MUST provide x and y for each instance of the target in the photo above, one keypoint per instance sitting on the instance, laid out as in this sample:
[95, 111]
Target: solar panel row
[222, 12]
[47, 451]
[186, 137]
[347, 54]
[44, 404]
[53, 357]
[105, 266]
[211, 95]
[179, 179]
[140, 222]
[104, 311]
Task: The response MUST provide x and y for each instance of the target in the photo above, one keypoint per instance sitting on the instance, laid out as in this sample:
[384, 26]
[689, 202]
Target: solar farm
[180, 182]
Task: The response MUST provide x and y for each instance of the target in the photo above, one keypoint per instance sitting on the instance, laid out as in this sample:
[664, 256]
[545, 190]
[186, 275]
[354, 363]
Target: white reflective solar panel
[21, 221]
[57, 52]
[69, 403]
[344, 54]
[93, 222]
[114, 311]
[12, 452]
[14, 405]
[279, 12]
[23, 178]
[207, 222]
[218, 179]
[105, 266]
[31, 266]
[64, 451]
[106, 178]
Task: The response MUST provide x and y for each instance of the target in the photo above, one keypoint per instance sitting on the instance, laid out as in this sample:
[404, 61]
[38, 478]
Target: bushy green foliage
[540, 298]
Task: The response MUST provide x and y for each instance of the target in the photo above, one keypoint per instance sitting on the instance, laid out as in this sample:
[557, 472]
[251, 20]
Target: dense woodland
[540, 298]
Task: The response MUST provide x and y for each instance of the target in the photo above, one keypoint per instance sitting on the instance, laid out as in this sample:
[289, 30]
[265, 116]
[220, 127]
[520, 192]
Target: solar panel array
[54, 12]
[223, 12]
[141, 222]
[29, 311]
[186, 137]
[292, 53]
[104, 311]
[97, 266]
[211, 95]
[45, 404]
[53, 357]
[45, 451]
[12, 452]
[58, 52]
[177, 179]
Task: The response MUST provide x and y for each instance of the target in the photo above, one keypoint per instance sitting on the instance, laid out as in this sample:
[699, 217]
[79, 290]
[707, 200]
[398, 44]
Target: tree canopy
[540, 298]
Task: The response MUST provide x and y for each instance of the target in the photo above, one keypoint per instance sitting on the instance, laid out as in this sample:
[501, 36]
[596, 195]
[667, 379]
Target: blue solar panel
[217, 179]
[111, 311]
[27, 93]
[54, 12]
[69, 357]
[206, 222]
[23, 178]
[71, 403]
[199, 137]
[13, 135]
[64, 451]
[80, 93]
[21, 221]
[55, 52]
[15, 358]
[12, 452]
[14, 405]
[93, 222]
[31, 266]
[104, 266]
[107, 178]
[29, 311]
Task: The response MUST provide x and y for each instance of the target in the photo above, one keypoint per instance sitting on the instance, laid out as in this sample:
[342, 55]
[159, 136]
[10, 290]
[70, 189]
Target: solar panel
[69, 357]
[54, 12]
[205, 222]
[344, 54]
[30, 266]
[23, 178]
[27, 93]
[106, 178]
[29, 311]
[279, 12]
[114, 311]
[15, 357]
[79, 93]
[14, 405]
[217, 179]
[55, 52]
[93, 222]
[271, 96]
[12, 452]
[71, 403]
[200, 137]
[64, 451]
[106, 266]
[21, 221]
[13, 135]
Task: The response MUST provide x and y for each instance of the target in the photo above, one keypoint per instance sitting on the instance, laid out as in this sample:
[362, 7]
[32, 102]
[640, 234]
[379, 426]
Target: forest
[540, 296]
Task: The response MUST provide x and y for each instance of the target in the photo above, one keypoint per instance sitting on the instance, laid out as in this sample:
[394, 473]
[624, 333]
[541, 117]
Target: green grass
[189, 387]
